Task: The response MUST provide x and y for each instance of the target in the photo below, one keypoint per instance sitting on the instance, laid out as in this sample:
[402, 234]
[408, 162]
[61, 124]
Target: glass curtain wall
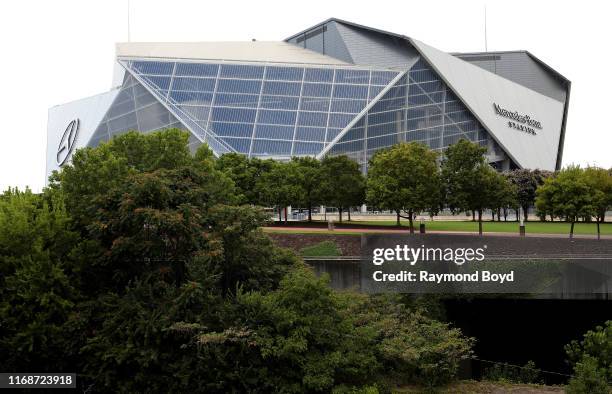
[262, 110]
[419, 107]
[135, 108]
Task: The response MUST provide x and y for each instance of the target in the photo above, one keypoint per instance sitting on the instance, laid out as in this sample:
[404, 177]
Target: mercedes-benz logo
[67, 142]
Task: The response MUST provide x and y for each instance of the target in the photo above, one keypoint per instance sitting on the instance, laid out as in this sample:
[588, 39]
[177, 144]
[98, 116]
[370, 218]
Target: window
[319, 75]
[351, 91]
[193, 84]
[241, 71]
[274, 132]
[353, 76]
[313, 119]
[236, 100]
[282, 88]
[276, 117]
[238, 86]
[197, 69]
[233, 115]
[317, 90]
[284, 73]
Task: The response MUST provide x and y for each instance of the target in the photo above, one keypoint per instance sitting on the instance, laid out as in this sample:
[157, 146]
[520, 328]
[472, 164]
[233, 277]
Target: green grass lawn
[469, 226]
[507, 227]
[322, 249]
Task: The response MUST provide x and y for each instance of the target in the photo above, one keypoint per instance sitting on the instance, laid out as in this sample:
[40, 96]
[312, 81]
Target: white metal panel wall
[324, 39]
[520, 68]
[89, 111]
[376, 49]
[479, 89]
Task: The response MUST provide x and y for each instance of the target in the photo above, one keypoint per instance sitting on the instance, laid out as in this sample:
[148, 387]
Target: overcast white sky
[62, 50]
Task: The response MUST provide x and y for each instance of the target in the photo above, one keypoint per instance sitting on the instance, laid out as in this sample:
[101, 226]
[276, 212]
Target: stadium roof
[244, 51]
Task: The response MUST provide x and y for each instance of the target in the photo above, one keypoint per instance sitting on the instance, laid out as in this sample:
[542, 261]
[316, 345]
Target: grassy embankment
[469, 226]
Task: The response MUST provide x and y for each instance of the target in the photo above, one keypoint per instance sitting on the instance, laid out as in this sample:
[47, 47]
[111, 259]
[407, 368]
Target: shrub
[592, 360]
[589, 378]
[504, 372]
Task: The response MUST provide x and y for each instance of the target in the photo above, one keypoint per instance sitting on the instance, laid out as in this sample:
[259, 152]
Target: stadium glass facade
[262, 110]
[280, 111]
[419, 107]
[336, 88]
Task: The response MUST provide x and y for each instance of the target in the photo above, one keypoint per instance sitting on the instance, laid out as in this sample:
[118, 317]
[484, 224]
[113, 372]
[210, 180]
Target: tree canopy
[144, 274]
[567, 195]
[470, 183]
[405, 179]
[342, 184]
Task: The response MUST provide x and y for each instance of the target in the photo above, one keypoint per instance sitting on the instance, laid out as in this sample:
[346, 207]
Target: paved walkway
[405, 231]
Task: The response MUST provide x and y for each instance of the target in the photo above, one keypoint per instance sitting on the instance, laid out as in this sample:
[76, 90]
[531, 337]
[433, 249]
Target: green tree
[37, 295]
[240, 170]
[592, 361]
[305, 337]
[279, 187]
[567, 195]
[308, 178]
[503, 196]
[245, 172]
[405, 179]
[94, 171]
[342, 183]
[600, 182]
[527, 182]
[510, 198]
[469, 182]
[151, 279]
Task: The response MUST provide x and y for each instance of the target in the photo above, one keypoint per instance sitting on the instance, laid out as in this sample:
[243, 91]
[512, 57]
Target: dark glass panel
[197, 69]
[274, 132]
[317, 90]
[277, 117]
[347, 105]
[153, 68]
[284, 73]
[319, 75]
[310, 134]
[241, 145]
[314, 104]
[282, 88]
[352, 76]
[313, 119]
[307, 148]
[279, 102]
[232, 129]
[193, 84]
[241, 71]
[382, 77]
[238, 86]
[351, 91]
[191, 97]
[271, 148]
[233, 115]
[340, 120]
[236, 100]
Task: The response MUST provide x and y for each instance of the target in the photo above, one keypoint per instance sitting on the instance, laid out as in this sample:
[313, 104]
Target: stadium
[335, 88]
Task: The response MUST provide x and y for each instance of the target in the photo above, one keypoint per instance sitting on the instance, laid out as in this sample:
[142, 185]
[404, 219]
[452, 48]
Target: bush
[588, 378]
[592, 360]
[513, 374]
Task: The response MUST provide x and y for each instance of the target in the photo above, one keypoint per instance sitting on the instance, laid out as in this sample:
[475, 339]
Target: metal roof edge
[531, 55]
[332, 19]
